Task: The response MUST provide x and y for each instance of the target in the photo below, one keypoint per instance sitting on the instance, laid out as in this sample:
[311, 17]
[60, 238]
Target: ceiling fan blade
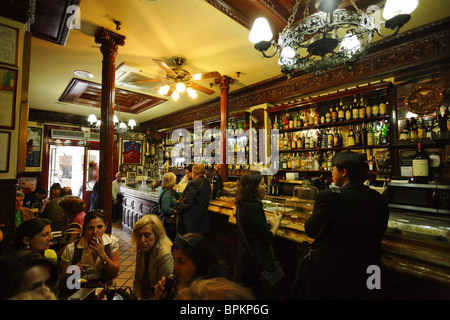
[148, 80]
[201, 88]
[164, 66]
[206, 75]
[171, 90]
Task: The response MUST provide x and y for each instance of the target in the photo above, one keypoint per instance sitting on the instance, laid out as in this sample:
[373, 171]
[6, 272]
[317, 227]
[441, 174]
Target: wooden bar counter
[412, 268]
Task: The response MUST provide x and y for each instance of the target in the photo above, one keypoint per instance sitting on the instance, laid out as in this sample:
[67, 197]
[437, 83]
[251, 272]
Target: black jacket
[193, 208]
[354, 219]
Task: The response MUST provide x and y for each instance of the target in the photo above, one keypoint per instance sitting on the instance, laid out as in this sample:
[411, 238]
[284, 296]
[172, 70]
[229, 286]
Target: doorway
[75, 167]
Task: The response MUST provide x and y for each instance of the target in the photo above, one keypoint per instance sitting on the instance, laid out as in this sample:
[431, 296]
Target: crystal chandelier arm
[395, 28]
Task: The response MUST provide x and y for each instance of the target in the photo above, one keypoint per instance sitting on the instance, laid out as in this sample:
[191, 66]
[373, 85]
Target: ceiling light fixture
[329, 37]
[83, 74]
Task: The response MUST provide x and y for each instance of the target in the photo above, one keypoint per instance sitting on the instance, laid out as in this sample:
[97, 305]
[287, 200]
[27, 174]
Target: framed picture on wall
[5, 144]
[131, 151]
[8, 84]
[34, 143]
[9, 45]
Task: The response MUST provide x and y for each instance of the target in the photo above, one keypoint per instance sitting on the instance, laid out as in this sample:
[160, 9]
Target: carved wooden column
[109, 42]
[224, 82]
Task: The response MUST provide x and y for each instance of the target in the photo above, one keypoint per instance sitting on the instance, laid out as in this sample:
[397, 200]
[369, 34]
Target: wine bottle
[370, 136]
[383, 106]
[375, 108]
[348, 112]
[341, 112]
[413, 129]
[362, 109]
[369, 109]
[355, 110]
[351, 137]
[420, 165]
[363, 135]
[328, 116]
[357, 137]
[404, 135]
[334, 114]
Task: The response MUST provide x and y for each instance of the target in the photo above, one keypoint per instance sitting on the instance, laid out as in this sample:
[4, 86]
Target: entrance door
[75, 167]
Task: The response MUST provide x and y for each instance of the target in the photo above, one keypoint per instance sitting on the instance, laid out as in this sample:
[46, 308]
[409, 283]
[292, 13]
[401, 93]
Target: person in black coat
[252, 220]
[347, 223]
[192, 212]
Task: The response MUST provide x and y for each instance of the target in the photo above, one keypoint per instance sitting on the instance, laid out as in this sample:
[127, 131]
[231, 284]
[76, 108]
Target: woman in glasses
[193, 258]
[96, 253]
[153, 256]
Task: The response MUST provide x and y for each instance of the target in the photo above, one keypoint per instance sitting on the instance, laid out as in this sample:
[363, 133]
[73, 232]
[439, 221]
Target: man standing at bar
[348, 223]
[116, 197]
[192, 212]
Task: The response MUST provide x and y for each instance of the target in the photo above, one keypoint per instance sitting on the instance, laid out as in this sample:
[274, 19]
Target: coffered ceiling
[211, 35]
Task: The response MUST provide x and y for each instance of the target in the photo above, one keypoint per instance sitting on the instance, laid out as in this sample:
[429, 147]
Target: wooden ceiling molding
[413, 48]
[89, 94]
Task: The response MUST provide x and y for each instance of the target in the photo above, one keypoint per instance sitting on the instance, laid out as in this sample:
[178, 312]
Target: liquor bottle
[340, 138]
[311, 141]
[363, 135]
[436, 128]
[371, 163]
[291, 121]
[341, 112]
[303, 144]
[286, 122]
[294, 121]
[281, 142]
[429, 130]
[383, 106]
[307, 140]
[328, 116]
[375, 108]
[348, 112]
[289, 161]
[413, 129]
[355, 110]
[293, 141]
[324, 139]
[311, 115]
[370, 135]
[330, 139]
[384, 133]
[299, 120]
[319, 139]
[286, 142]
[362, 109]
[305, 118]
[280, 123]
[435, 166]
[335, 138]
[421, 129]
[377, 134]
[316, 117]
[404, 135]
[420, 165]
[334, 114]
[351, 137]
[299, 141]
[369, 108]
[357, 137]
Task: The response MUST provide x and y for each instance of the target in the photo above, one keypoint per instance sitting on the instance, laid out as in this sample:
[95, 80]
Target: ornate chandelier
[329, 37]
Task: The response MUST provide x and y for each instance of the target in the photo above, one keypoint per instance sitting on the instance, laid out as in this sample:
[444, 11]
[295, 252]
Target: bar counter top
[419, 258]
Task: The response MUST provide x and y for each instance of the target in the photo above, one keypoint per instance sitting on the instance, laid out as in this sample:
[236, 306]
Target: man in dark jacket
[192, 211]
[347, 223]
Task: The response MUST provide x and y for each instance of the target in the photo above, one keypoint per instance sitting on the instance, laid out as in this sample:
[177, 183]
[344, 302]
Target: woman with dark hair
[194, 258]
[252, 221]
[96, 253]
[24, 271]
[34, 235]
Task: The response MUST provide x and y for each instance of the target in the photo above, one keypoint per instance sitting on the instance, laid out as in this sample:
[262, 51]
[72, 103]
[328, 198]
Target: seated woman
[34, 235]
[73, 208]
[96, 253]
[193, 258]
[153, 256]
[168, 199]
[23, 271]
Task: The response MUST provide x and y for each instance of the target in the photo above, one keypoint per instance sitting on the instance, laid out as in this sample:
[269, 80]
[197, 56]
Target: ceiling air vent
[67, 134]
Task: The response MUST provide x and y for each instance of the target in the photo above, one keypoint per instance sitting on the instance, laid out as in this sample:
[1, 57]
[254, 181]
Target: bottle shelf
[334, 148]
[336, 124]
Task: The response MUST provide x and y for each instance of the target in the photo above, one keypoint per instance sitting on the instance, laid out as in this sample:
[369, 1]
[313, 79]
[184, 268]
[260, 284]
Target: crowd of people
[175, 259]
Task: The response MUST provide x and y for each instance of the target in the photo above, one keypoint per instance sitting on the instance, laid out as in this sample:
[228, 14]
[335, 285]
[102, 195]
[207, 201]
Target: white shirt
[94, 272]
[115, 189]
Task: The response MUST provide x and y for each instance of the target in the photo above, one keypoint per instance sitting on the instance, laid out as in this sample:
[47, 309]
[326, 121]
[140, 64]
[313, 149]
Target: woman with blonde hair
[153, 255]
[168, 199]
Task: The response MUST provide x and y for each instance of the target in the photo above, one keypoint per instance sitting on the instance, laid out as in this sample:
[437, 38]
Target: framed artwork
[34, 145]
[140, 170]
[131, 168]
[123, 169]
[5, 143]
[131, 152]
[9, 45]
[8, 84]
[131, 174]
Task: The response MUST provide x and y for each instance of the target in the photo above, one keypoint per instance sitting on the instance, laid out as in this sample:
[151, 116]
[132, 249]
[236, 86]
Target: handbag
[269, 278]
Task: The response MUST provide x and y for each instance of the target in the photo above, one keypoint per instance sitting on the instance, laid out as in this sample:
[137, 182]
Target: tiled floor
[127, 257]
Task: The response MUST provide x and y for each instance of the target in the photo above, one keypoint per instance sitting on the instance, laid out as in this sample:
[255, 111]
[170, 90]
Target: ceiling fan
[181, 79]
